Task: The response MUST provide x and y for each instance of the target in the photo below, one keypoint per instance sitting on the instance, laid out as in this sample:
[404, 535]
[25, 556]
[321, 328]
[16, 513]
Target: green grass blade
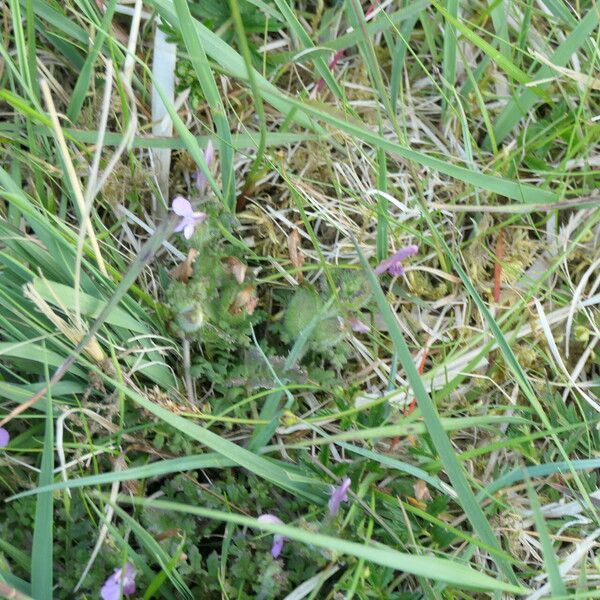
[240, 456]
[525, 100]
[154, 549]
[263, 433]
[398, 55]
[381, 23]
[156, 469]
[521, 473]
[550, 561]
[256, 167]
[426, 566]
[507, 352]
[85, 75]
[224, 55]
[500, 12]
[499, 59]
[240, 141]
[219, 461]
[205, 76]
[382, 207]
[439, 437]
[298, 30]
[503, 187]
[42, 567]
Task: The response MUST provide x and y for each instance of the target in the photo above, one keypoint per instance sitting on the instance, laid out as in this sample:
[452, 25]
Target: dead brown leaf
[421, 490]
[245, 300]
[183, 271]
[237, 268]
[295, 256]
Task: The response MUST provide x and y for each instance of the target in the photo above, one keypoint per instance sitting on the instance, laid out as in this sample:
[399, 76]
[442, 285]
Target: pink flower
[209, 157]
[189, 218]
[277, 538]
[339, 495]
[393, 264]
[4, 437]
[111, 590]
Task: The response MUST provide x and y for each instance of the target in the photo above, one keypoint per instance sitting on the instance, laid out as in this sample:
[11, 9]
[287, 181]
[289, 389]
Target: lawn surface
[299, 299]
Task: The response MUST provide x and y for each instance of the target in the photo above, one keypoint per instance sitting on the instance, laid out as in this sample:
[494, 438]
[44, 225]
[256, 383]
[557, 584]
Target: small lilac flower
[189, 218]
[209, 157]
[339, 495]
[393, 264]
[4, 437]
[357, 325]
[111, 590]
[277, 538]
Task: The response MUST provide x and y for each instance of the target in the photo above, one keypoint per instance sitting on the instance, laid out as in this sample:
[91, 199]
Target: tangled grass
[259, 411]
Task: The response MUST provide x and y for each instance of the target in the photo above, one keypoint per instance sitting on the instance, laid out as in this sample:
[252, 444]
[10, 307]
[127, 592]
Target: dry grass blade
[74, 180]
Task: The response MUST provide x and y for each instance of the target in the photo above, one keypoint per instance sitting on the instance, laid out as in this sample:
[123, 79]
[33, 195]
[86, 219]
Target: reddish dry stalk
[409, 409]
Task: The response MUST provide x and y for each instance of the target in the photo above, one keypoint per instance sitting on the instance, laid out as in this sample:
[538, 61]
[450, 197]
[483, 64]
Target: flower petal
[268, 518]
[4, 437]
[277, 546]
[406, 252]
[201, 182]
[396, 269]
[209, 154]
[181, 206]
[188, 230]
[209, 157]
[129, 580]
[111, 590]
[278, 539]
[392, 263]
[382, 267]
[338, 495]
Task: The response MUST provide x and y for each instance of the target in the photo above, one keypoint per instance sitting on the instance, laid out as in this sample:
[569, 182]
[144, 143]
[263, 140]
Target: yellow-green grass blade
[299, 31]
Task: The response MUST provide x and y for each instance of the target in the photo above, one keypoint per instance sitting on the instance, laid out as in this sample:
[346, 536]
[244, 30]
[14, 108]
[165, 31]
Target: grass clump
[299, 300]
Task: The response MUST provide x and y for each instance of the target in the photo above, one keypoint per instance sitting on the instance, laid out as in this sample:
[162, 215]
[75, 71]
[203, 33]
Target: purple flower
[111, 590]
[393, 264]
[357, 325]
[339, 495]
[277, 538]
[189, 218]
[4, 437]
[209, 157]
